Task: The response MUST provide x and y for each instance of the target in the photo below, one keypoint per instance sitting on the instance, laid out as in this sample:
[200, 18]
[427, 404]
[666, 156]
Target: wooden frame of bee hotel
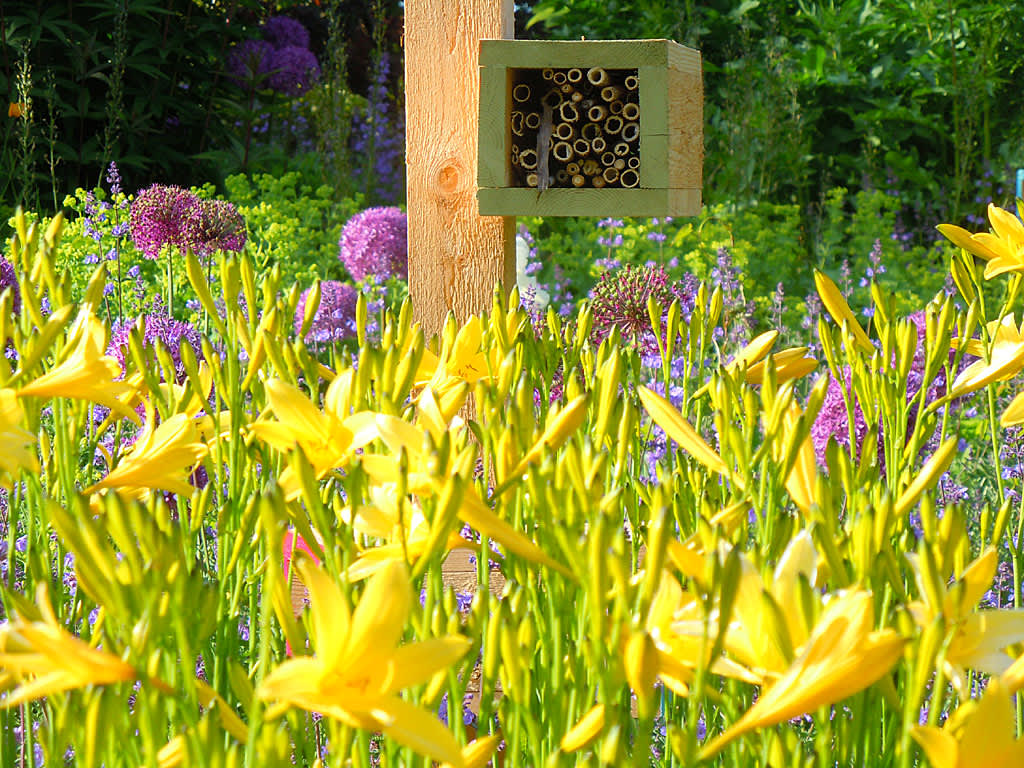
[590, 128]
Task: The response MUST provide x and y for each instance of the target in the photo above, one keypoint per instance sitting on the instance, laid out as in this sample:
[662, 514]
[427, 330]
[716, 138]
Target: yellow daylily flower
[836, 305]
[17, 445]
[328, 438]
[382, 520]
[1006, 358]
[586, 729]
[980, 733]
[1014, 414]
[162, 457]
[842, 656]
[980, 637]
[87, 372]
[802, 477]
[463, 361]
[792, 363]
[359, 668]
[1003, 248]
[425, 478]
[47, 659]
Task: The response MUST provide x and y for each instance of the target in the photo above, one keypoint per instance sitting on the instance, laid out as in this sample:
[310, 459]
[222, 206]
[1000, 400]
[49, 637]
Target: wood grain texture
[455, 256]
[686, 116]
[610, 54]
[591, 202]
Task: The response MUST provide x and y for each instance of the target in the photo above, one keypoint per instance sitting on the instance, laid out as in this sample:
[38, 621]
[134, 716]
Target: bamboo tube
[531, 179]
[563, 131]
[521, 92]
[611, 93]
[528, 159]
[574, 75]
[633, 162]
[547, 73]
[578, 180]
[590, 167]
[552, 98]
[613, 124]
[582, 147]
[598, 145]
[562, 151]
[631, 111]
[596, 114]
[597, 76]
[598, 181]
[566, 89]
[631, 132]
[610, 175]
[607, 159]
[621, 149]
[532, 120]
[516, 122]
[568, 112]
[572, 168]
[559, 78]
[590, 131]
[615, 107]
[619, 164]
[629, 178]
[561, 176]
[632, 82]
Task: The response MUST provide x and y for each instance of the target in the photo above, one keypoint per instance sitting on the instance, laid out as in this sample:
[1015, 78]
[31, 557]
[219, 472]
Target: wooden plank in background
[610, 54]
[455, 255]
[591, 202]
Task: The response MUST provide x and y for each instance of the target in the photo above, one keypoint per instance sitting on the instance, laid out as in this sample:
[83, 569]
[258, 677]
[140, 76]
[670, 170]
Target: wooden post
[456, 256]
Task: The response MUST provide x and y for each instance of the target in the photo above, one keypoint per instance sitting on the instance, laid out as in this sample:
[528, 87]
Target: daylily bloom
[586, 729]
[86, 373]
[48, 659]
[1003, 248]
[979, 733]
[836, 305]
[789, 363]
[1006, 357]
[17, 445]
[328, 438]
[979, 637]
[842, 656]
[465, 360]
[1014, 414]
[359, 668]
[162, 457]
[382, 520]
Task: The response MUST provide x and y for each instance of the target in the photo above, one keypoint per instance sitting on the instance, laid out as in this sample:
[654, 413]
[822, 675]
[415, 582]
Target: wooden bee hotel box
[590, 128]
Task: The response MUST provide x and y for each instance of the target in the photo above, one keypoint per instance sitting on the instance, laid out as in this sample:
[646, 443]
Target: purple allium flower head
[335, 317]
[161, 328]
[249, 62]
[374, 242]
[9, 279]
[293, 70]
[220, 227]
[285, 32]
[620, 301]
[164, 215]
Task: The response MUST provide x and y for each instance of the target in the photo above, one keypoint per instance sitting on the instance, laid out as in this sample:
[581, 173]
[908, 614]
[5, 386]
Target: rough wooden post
[455, 255]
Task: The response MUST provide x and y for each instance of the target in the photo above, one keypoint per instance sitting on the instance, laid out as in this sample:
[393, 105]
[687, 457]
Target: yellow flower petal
[836, 305]
[585, 731]
[664, 414]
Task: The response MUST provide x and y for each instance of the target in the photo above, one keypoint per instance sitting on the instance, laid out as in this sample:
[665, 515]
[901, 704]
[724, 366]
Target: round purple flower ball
[293, 70]
[285, 32]
[164, 215]
[9, 279]
[335, 317]
[159, 328]
[619, 300]
[249, 62]
[374, 243]
[219, 227]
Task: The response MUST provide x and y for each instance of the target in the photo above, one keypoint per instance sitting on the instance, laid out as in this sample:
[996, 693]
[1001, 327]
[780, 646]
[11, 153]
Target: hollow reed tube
[572, 168]
[610, 175]
[531, 179]
[597, 76]
[516, 121]
[532, 120]
[552, 98]
[632, 82]
[619, 164]
[631, 111]
[633, 162]
[590, 131]
[629, 178]
[598, 181]
[561, 176]
[615, 107]
[631, 132]
[596, 113]
[563, 131]
[568, 112]
[621, 149]
[613, 124]
[547, 73]
[581, 147]
[562, 151]
[528, 159]
[559, 78]
[607, 159]
[574, 75]
[598, 145]
[521, 92]
[578, 179]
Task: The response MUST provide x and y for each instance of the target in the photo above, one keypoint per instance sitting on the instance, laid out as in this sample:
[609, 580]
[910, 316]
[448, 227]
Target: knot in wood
[450, 178]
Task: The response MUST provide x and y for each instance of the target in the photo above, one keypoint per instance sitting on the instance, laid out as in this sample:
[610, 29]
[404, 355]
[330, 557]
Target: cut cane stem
[521, 92]
[597, 76]
[630, 111]
[631, 132]
[629, 178]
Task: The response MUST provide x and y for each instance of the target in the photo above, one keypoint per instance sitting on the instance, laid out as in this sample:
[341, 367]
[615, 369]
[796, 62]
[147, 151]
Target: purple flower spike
[161, 328]
[293, 70]
[9, 279]
[335, 318]
[164, 215]
[375, 243]
[285, 32]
